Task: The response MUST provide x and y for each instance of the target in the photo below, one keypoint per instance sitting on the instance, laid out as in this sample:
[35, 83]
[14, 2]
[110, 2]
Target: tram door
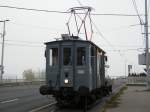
[67, 66]
[52, 66]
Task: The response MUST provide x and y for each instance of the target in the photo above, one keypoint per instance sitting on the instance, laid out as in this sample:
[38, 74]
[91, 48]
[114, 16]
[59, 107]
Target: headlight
[66, 81]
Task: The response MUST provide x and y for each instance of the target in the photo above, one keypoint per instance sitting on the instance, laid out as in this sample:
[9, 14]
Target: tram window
[92, 56]
[81, 59]
[67, 56]
[53, 56]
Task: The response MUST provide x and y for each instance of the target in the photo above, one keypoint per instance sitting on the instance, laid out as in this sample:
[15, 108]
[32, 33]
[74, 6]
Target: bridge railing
[19, 82]
[134, 80]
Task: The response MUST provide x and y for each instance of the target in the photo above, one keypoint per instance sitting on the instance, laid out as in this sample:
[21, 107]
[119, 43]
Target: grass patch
[114, 100]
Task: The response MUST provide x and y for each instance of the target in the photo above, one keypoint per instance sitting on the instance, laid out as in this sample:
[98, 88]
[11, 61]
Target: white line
[8, 101]
[40, 108]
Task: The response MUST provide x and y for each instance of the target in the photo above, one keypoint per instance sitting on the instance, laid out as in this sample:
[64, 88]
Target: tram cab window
[92, 56]
[67, 60]
[81, 59]
[53, 56]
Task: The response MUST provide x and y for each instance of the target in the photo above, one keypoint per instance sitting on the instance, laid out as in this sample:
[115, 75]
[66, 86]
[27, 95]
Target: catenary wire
[65, 12]
[136, 9]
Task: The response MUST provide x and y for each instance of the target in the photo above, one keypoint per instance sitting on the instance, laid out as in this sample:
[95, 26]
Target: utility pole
[147, 46]
[2, 56]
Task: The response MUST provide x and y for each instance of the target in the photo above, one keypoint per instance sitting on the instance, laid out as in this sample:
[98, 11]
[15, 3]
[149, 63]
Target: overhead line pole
[147, 46]
[2, 56]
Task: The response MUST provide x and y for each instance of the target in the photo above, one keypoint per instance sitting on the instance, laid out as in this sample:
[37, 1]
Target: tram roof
[74, 40]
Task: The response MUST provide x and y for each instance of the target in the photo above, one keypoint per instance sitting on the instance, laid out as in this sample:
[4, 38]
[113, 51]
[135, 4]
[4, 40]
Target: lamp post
[2, 56]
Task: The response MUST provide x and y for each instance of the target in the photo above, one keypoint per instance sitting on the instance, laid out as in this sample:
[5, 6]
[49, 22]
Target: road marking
[40, 108]
[8, 101]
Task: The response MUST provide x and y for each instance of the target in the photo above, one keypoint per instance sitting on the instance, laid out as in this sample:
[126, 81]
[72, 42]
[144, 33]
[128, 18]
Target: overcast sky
[28, 30]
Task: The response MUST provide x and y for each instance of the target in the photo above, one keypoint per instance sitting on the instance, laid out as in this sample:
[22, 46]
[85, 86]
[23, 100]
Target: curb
[105, 100]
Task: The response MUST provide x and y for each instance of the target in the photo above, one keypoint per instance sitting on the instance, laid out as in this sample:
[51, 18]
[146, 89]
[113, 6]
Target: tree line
[31, 75]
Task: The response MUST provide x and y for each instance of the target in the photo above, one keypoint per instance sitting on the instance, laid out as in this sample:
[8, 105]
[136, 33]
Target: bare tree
[28, 75]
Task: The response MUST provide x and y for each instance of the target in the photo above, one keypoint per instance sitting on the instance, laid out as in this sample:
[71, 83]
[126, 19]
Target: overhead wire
[140, 19]
[34, 45]
[136, 9]
[21, 41]
[52, 11]
[30, 9]
[112, 46]
[99, 32]
[101, 35]
[23, 45]
[66, 12]
[96, 27]
[125, 50]
[36, 26]
[48, 28]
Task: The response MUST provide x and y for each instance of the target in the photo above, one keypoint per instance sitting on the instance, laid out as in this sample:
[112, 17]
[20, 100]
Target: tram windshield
[67, 59]
[81, 59]
[53, 56]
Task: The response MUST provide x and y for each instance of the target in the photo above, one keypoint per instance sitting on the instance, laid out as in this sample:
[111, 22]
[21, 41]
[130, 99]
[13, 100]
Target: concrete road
[22, 98]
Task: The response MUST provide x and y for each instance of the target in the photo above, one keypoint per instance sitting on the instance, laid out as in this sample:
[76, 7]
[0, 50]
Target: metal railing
[137, 80]
[20, 82]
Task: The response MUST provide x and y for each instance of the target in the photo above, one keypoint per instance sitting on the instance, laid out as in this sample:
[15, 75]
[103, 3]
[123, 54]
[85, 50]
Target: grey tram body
[74, 68]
